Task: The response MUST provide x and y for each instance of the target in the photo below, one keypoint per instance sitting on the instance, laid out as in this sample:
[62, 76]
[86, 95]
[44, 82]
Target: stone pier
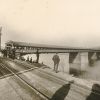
[78, 62]
[84, 60]
[68, 61]
[64, 61]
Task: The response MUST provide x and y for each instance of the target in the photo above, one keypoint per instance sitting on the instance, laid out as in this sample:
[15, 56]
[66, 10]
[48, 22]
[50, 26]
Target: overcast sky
[59, 22]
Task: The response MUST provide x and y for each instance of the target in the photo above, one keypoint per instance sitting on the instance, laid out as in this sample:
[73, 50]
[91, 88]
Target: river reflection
[92, 72]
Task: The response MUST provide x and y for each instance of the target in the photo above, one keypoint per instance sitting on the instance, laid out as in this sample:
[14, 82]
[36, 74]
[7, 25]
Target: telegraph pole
[0, 37]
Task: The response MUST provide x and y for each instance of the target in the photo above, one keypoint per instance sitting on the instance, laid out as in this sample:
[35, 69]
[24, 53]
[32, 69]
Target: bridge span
[80, 56]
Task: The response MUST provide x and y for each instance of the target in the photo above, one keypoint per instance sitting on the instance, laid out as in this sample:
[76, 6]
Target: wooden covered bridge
[81, 56]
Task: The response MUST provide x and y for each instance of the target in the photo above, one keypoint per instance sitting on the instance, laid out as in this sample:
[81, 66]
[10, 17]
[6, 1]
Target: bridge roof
[24, 44]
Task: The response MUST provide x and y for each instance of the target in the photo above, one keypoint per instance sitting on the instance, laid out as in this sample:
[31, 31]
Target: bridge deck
[24, 44]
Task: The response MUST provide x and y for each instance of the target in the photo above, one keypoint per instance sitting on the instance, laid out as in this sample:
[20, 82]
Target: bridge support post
[74, 63]
[78, 62]
[64, 62]
[37, 56]
[98, 55]
[92, 56]
[84, 61]
[67, 68]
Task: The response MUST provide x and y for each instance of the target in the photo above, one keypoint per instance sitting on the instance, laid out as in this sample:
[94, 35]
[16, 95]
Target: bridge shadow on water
[95, 94]
[62, 92]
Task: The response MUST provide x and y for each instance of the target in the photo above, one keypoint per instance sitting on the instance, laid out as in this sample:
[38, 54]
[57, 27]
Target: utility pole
[0, 37]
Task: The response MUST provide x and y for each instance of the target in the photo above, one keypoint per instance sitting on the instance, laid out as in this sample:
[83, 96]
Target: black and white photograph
[49, 49]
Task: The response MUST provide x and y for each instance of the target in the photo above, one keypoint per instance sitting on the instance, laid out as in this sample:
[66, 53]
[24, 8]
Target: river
[92, 72]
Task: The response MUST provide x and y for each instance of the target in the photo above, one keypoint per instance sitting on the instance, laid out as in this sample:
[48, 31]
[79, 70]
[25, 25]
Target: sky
[56, 22]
